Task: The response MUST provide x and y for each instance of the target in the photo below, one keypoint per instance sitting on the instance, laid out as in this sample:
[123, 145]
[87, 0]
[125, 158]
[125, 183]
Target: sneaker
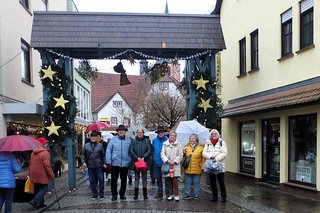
[101, 196]
[196, 197]
[170, 198]
[114, 198]
[122, 197]
[176, 198]
[94, 197]
[223, 200]
[186, 197]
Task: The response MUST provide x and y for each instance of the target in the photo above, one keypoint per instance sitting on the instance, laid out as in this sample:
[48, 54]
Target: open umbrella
[132, 130]
[151, 134]
[97, 126]
[106, 135]
[186, 128]
[18, 143]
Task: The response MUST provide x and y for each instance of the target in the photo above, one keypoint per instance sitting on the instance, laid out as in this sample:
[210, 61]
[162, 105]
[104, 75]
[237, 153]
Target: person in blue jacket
[157, 161]
[118, 156]
[9, 165]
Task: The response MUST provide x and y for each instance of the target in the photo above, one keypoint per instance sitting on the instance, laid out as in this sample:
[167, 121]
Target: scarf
[214, 141]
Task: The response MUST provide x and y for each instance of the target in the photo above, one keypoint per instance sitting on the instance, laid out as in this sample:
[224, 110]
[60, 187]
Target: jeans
[158, 175]
[41, 190]
[96, 175]
[137, 179]
[220, 178]
[115, 172]
[6, 196]
[188, 180]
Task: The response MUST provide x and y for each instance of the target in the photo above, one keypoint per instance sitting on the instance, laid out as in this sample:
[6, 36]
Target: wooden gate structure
[61, 37]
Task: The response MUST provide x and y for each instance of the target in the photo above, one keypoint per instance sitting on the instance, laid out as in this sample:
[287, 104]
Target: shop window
[248, 148]
[302, 149]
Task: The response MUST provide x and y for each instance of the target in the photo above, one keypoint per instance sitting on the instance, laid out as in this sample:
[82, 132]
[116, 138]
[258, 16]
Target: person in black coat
[140, 150]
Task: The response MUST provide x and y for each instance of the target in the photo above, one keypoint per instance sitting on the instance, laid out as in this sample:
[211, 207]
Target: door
[271, 149]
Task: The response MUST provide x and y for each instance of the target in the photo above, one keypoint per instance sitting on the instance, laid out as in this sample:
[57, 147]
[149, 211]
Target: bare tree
[162, 109]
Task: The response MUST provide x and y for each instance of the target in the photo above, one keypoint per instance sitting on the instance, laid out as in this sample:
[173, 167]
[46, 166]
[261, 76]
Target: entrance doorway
[271, 149]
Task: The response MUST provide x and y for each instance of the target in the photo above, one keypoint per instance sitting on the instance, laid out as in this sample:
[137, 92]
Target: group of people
[40, 174]
[121, 154]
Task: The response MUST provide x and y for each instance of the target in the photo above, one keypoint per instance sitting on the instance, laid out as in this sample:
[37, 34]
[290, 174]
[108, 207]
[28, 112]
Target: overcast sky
[147, 6]
[141, 6]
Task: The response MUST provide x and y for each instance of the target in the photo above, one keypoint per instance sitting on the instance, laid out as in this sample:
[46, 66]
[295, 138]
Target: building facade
[270, 87]
[20, 85]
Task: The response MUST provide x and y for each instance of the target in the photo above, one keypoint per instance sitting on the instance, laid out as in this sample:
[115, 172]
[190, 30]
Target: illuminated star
[60, 102]
[53, 129]
[48, 73]
[205, 104]
[200, 83]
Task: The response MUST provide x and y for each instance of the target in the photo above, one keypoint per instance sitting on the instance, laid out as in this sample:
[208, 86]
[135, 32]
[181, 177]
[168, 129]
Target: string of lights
[146, 56]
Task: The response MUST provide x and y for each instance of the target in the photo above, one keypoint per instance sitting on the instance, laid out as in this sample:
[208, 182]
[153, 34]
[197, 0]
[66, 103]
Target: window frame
[306, 28]
[25, 61]
[114, 121]
[242, 56]
[254, 38]
[117, 104]
[164, 85]
[286, 38]
[25, 3]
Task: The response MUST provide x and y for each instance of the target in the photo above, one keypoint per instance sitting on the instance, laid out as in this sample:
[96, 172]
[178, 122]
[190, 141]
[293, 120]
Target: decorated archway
[61, 37]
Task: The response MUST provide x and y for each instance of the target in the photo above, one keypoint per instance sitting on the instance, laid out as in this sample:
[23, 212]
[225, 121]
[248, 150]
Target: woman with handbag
[140, 150]
[171, 154]
[40, 172]
[216, 149]
[193, 163]
[9, 165]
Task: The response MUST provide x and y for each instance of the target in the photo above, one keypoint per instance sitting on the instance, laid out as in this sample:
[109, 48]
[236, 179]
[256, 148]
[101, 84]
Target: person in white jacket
[216, 149]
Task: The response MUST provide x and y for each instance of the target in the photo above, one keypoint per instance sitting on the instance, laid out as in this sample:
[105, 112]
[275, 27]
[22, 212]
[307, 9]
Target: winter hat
[42, 140]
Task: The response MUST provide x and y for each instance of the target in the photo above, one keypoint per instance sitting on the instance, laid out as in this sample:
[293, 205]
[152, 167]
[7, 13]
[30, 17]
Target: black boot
[130, 180]
[145, 196]
[136, 193]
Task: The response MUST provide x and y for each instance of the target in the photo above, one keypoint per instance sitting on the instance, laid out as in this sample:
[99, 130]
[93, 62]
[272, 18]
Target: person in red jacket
[40, 172]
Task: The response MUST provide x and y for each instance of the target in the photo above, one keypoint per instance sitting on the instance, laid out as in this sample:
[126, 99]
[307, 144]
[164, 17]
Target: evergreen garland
[210, 118]
[61, 117]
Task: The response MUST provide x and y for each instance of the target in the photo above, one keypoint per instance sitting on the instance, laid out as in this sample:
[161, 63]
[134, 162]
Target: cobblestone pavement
[241, 198]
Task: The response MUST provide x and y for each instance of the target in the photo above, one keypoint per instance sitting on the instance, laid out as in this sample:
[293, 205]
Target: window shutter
[286, 16]
[306, 5]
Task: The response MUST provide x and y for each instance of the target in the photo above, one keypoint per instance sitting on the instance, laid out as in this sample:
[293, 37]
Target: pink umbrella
[97, 126]
[18, 143]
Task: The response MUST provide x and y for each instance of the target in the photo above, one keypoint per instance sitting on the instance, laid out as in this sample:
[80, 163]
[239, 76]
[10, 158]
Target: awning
[278, 98]
[22, 108]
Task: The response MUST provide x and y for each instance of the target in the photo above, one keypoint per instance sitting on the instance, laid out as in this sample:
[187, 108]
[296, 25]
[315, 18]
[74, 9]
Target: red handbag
[141, 166]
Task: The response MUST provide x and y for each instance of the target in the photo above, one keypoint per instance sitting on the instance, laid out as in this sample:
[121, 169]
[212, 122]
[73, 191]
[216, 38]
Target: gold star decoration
[53, 129]
[48, 73]
[205, 104]
[60, 102]
[200, 83]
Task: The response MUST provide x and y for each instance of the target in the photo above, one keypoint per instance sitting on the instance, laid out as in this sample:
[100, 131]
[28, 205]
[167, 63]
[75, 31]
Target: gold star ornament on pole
[60, 102]
[205, 104]
[53, 129]
[201, 83]
[48, 73]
